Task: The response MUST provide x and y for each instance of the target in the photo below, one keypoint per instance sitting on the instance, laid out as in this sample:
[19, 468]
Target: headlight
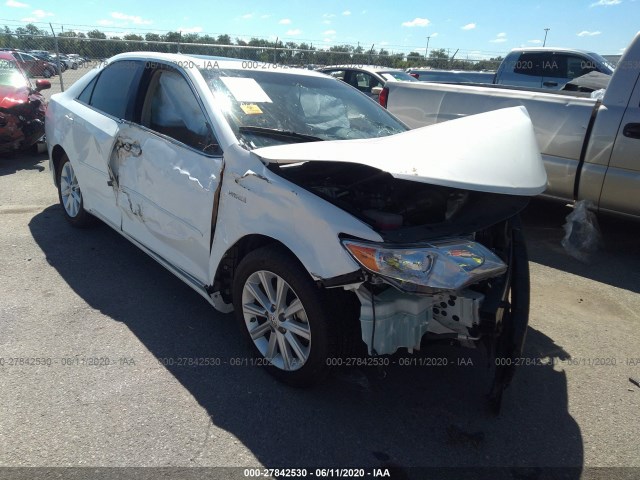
[446, 265]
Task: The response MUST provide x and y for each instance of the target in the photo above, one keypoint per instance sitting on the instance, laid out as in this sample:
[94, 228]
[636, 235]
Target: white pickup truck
[590, 147]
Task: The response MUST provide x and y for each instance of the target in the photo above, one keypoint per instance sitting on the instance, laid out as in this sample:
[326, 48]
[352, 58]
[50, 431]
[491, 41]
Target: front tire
[70, 196]
[284, 315]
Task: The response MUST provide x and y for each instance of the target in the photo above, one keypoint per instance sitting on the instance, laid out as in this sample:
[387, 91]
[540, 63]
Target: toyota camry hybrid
[294, 200]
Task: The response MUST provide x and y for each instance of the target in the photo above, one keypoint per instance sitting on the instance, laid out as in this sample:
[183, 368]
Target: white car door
[166, 173]
[92, 122]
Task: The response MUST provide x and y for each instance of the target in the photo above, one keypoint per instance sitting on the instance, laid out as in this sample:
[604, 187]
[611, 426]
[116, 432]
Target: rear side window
[115, 89]
[530, 64]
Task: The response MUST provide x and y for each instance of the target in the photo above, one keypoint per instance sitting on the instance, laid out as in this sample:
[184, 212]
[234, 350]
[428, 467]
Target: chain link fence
[75, 55]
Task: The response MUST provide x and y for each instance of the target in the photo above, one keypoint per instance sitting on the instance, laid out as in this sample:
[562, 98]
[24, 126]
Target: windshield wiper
[276, 133]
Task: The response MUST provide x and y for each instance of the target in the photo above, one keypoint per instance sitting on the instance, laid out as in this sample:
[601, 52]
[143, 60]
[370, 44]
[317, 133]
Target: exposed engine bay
[401, 210]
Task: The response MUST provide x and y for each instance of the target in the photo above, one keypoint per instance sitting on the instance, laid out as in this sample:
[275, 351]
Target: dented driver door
[165, 174]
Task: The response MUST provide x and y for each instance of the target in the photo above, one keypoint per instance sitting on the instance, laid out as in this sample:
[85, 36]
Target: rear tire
[70, 196]
[285, 316]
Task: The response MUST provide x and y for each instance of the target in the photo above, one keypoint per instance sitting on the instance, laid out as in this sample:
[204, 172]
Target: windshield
[10, 76]
[398, 76]
[271, 108]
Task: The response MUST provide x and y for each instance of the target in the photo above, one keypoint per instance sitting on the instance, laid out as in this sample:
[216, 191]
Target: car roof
[371, 68]
[208, 61]
[550, 49]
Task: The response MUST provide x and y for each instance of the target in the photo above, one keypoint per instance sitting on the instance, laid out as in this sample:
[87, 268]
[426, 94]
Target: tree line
[96, 44]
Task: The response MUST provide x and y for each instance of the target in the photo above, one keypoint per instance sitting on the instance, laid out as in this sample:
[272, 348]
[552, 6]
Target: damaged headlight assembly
[448, 265]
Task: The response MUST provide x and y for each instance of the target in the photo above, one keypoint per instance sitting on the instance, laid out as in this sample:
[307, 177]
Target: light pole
[426, 52]
[546, 30]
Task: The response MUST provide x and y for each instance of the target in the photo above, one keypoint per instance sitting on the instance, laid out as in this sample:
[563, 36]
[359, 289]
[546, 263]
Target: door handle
[550, 84]
[632, 130]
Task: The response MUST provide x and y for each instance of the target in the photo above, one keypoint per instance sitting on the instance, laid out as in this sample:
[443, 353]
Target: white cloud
[329, 32]
[606, 3]
[586, 33]
[346, 13]
[469, 26]
[247, 16]
[41, 14]
[498, 40]
[417, 22]
[294, 31]
[501, 35]
[190, 29]
[16, 4]
[285, 21]
[535, 42]
[105, 22]
[434, 34]
[266, 15]
[327, 40]
[130, 18]
[328, 15]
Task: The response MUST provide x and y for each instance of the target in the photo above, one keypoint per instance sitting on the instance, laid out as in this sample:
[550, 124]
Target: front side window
[172, 109]
[366, 82]
[115, 89]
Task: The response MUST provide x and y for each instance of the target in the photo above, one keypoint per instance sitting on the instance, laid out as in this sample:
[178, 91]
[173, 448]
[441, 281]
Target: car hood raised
[491, 152]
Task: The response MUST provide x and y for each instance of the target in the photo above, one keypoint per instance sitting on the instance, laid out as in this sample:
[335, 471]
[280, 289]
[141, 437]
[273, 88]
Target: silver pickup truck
[591, 147]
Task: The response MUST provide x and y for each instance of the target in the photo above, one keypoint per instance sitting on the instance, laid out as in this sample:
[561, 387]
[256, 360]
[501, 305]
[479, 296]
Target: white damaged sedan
[299, 203]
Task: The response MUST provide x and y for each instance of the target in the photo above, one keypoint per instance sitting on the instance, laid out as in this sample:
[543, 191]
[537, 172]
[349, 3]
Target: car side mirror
[42, 85]
[376, 90]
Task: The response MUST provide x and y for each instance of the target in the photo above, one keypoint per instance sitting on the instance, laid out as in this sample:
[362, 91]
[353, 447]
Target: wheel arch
[225, 273]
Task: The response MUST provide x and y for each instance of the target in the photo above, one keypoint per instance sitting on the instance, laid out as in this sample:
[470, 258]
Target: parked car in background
[68, 62]
[346, 243]
[32, 66]
[369, 79]
[548, 67]
[22, 107]
[51, 59]
[77, 59]
[451, 76]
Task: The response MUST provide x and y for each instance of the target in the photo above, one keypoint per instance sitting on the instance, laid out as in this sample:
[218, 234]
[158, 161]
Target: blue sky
[478, 29]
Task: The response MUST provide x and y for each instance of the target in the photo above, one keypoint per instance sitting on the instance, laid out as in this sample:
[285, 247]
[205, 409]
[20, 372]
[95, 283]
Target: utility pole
[426, 52]
[546, 30]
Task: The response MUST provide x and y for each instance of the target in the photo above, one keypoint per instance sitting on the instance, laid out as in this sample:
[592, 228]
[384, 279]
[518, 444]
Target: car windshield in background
[271, 108]
[10, 76]
[398, 76]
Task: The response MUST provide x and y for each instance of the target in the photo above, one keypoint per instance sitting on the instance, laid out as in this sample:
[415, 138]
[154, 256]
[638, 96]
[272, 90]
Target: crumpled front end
[21, 123]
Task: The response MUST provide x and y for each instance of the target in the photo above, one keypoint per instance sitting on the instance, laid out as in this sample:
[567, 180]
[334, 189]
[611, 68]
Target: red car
[22, 107]
[32, 66]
